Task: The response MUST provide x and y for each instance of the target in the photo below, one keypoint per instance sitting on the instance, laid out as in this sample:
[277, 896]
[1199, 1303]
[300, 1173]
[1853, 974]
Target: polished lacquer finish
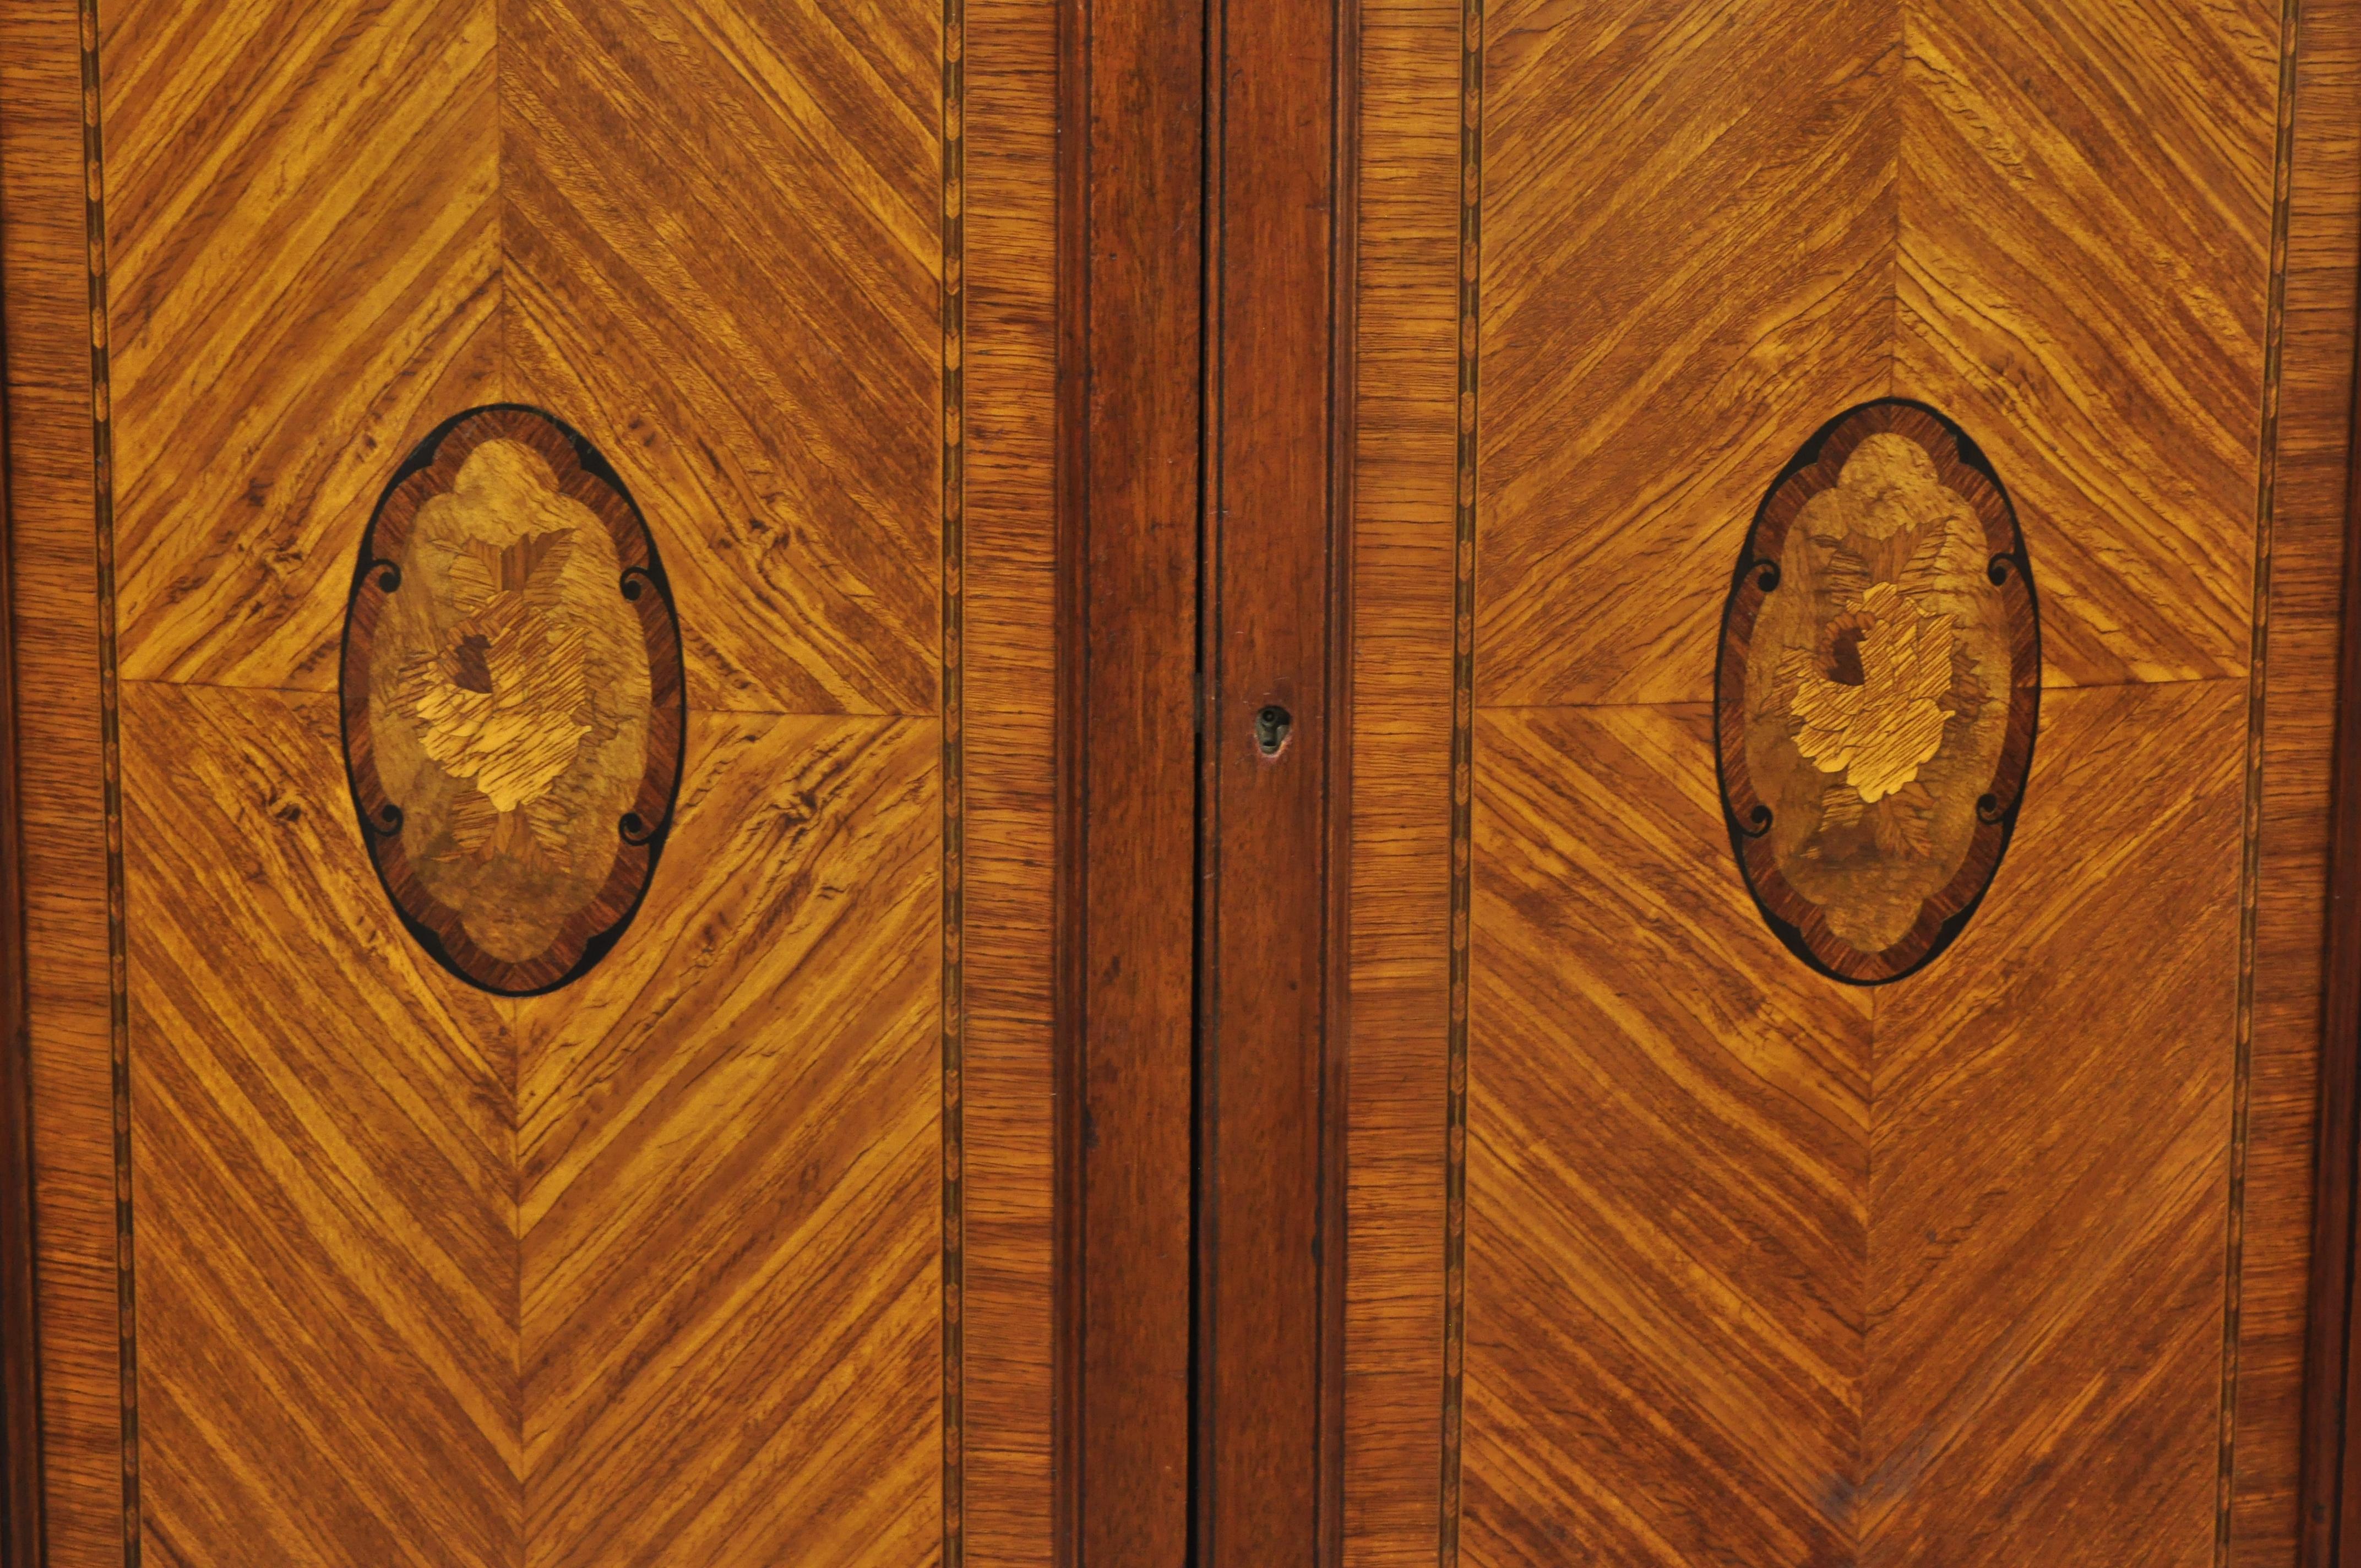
[1878, 689]
[512, 700]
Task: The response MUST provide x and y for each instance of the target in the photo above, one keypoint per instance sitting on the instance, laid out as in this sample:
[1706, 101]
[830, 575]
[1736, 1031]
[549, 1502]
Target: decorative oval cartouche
[513, 699]
[1877, 692]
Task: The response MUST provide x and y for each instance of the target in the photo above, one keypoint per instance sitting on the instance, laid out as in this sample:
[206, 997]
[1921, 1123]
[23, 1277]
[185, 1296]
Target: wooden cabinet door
[1673, 1242]
[370, 1232]
[622, 610]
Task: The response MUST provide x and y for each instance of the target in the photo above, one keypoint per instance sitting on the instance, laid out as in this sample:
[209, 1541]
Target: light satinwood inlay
[513, 699]
[1880, 682]
[653, 1268]
[1760, 1267]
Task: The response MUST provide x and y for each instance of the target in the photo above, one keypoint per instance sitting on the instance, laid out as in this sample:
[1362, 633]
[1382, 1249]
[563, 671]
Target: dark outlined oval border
[583, 475]
[1795, 919]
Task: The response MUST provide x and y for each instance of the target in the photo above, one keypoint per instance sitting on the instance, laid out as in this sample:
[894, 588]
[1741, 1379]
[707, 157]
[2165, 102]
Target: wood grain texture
[325, 1182]
[1669, 1130]
[2086, 251]
[1011, 606]
[1400, 824]
[2086, 1372]
[1130, 442]
[284, 329]
[2310, 532]
[44, 267]
[1268, 1471]
[1688, 266]
[728, 1174]
[1743, 1283]
[650, 1271]
[743, 304]
[20, 1411]
[2050, 1148]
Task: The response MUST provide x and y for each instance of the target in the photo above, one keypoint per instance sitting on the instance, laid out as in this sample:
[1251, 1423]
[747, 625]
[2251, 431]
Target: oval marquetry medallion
[1878, 688]
[512, 700]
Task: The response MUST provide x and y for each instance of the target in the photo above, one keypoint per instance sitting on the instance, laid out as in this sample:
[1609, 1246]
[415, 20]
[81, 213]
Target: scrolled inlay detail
[1878, 690]
[513, 699]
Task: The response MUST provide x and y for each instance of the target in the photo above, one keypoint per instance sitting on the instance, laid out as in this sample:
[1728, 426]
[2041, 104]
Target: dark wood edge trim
[1129, 229]
[1270, 1056]
[1336, 957]
[20, 1422]
[2331, 1491]
[1205, 1411]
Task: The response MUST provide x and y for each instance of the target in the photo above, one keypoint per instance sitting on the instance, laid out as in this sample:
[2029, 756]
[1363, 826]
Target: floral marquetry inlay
[513, 699]
[1879, 685]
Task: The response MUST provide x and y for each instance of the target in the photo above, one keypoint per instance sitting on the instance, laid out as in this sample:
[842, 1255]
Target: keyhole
[1271, 726]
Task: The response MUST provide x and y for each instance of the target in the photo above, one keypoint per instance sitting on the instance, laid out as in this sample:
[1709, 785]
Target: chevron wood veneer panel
[655, 1268]
[325, 1126]
[728, 1172]
[2078, 1206]
[1688, 215]
[283, 329]
[722, 249]
[2086, 255]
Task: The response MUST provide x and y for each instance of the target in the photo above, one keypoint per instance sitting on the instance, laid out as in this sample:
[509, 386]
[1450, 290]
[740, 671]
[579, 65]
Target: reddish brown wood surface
[44, 282]
[2294, 1039]
[1011, 601]
[2332, 1503]
[1270, 1239]
[1130, 424]
[20, 1416]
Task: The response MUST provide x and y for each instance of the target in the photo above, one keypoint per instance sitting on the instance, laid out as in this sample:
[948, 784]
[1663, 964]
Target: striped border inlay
[2250, 860]
[1463, 771]
[954, 309]
[111, 773]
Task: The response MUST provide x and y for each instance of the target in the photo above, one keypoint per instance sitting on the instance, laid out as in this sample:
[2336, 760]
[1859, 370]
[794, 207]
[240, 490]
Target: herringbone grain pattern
[1759, 1269]
[727, 1167]
[649, 1270]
